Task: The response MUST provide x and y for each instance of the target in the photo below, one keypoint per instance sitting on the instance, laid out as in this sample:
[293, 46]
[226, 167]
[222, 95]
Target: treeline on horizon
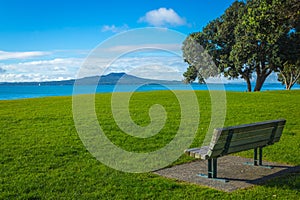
[251, 37]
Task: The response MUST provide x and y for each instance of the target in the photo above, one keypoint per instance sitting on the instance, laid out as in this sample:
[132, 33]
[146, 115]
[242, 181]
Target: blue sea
[10, 92]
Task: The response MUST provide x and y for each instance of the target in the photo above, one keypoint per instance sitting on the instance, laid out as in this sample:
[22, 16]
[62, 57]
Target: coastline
[15, 92]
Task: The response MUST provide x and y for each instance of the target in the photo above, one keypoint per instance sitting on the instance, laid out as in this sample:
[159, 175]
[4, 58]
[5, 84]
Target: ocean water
[10, 92]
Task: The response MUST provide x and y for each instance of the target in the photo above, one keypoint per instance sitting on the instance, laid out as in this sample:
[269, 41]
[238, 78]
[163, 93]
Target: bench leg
[260, 156]
[257, 158]
[212, 168]
[209, 166]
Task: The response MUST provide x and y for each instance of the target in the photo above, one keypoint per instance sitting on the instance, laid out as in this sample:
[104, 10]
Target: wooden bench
[238, 138]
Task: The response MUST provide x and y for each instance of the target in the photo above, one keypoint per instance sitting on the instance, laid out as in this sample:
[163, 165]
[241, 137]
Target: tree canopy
[289, 70]
[252, 39]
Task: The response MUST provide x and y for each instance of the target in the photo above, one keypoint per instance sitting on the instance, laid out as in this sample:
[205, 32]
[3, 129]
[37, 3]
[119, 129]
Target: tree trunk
[248, 84]
[289, 86]
[246, 77]
[259, 83]
[284, 80]
[262, 73]
[290, 82]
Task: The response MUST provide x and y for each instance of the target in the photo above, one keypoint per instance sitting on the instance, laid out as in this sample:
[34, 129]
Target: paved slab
[232, 168]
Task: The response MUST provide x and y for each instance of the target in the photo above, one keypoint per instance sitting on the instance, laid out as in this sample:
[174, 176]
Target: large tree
[217, 45]
[245, 40]
[289, 70]
[257, 37]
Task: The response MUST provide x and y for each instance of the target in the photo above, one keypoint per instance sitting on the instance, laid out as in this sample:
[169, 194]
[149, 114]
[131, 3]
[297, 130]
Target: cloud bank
[40, 70]
[145, 64]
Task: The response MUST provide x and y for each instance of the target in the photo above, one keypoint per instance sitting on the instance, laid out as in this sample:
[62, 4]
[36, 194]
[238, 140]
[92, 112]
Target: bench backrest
[244, 137]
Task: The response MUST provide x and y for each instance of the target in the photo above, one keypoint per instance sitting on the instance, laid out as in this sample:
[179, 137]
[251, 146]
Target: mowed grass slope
[42, 156]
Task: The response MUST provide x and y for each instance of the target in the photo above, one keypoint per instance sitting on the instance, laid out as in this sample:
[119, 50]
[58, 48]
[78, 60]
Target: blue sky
[49, 40]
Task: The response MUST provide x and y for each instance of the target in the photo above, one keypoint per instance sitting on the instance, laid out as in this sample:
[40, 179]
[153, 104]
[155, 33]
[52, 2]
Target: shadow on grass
[285, 178]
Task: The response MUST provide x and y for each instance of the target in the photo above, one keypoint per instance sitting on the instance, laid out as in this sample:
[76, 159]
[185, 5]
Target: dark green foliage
[253, 37]
[289, 70]
[191, 75]
[201, 64]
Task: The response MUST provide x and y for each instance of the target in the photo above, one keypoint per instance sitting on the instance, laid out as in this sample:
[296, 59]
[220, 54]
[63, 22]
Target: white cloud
[158, 72]
[115, 29]
[41, 70]
[4, 55]
[163, 17]
[164, 67]
[150, 63]
[32, 77]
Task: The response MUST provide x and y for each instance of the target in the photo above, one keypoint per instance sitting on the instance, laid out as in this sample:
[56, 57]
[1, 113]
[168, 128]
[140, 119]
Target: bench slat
[244, 147]
[241, 135]
[198, 152]
[248, 137]
[240, 132]
[259, 125]
[236, 142]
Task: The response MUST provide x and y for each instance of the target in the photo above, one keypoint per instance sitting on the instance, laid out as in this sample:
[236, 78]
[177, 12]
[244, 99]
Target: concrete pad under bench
[232, 168]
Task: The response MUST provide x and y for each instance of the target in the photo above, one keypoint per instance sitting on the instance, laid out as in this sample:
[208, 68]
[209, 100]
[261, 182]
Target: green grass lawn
[42, 156]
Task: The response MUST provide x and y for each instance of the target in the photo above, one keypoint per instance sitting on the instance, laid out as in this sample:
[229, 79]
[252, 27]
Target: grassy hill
[42, 156]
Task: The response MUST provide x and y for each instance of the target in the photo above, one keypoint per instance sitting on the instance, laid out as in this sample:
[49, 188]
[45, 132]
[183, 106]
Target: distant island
[109, 79]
